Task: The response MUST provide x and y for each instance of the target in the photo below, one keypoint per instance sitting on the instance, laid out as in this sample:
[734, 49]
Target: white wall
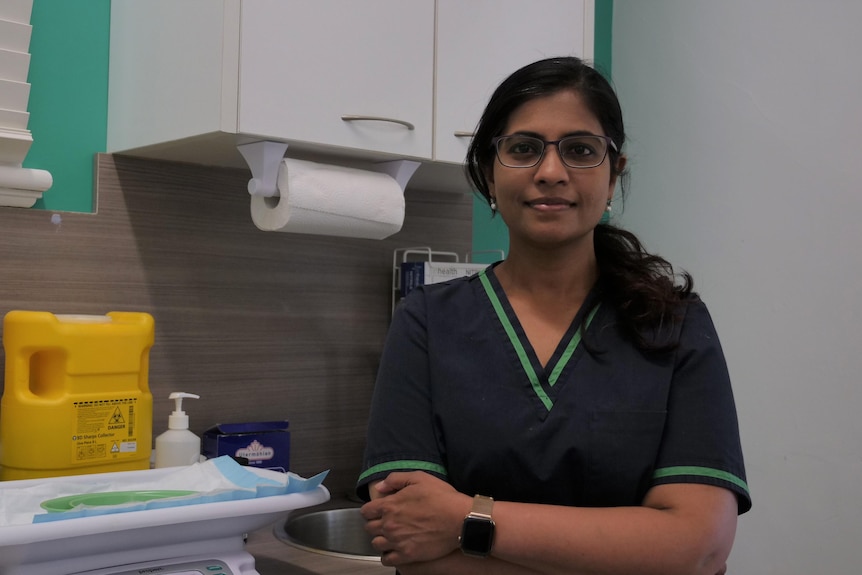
[745, 119]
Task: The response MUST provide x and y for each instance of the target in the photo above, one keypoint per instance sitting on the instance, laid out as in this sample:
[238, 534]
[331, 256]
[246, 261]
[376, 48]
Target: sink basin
[335, 532]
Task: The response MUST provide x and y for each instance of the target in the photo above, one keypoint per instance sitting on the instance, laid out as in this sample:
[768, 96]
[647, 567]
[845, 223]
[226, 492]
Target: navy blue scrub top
[461, 394]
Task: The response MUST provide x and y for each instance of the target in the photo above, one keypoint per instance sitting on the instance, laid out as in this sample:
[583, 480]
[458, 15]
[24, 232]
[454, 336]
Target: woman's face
[552, 204]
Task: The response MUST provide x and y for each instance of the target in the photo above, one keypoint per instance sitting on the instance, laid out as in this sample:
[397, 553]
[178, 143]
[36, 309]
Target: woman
[575, 388]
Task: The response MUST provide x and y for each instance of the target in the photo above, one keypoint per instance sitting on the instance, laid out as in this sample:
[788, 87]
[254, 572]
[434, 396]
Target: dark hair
[641, 286]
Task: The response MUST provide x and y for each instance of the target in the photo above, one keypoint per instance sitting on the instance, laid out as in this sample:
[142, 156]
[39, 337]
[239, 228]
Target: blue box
[266, 444]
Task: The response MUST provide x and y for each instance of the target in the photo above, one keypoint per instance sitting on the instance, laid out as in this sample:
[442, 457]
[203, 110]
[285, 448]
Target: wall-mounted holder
[400, 170]
[426, 254]
[264, 158]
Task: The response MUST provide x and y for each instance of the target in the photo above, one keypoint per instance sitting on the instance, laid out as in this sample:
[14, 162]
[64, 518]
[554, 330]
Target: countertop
[274, 557]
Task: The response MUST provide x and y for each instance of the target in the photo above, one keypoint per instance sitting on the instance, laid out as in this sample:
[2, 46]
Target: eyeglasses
[586, 151]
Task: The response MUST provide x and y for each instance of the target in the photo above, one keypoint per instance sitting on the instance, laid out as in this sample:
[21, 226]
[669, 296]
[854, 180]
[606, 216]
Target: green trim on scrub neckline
[702, 472]
[411, 464]
[522, 353]
[570, 349]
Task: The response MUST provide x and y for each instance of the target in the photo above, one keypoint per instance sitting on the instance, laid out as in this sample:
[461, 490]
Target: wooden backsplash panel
[262, 325]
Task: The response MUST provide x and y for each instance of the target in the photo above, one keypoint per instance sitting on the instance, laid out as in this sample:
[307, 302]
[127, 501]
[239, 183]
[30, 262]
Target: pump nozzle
[178, 419]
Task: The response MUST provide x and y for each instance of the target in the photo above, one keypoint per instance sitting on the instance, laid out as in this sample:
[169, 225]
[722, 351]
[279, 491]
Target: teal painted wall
[603, 36]
[490, 234]
[68, 104]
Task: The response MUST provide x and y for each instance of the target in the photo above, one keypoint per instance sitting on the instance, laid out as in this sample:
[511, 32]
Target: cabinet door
[480, 42]
[304, 65]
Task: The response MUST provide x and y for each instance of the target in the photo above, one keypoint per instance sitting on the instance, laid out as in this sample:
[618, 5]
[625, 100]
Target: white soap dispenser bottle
[178, 446]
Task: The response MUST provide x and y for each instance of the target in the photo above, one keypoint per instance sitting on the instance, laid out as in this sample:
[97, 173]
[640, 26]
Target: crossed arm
[688, 529]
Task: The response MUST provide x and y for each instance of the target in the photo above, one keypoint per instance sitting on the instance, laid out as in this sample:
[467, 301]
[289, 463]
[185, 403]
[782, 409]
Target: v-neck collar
[542, 378]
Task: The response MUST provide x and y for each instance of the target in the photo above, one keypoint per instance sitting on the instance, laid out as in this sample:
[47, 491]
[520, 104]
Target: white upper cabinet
[480, 42]
[192, 79]
[347, 73]
[183, 74]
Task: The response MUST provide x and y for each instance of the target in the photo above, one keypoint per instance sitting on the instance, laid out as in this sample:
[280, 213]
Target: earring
[493, 204]
[608, 207]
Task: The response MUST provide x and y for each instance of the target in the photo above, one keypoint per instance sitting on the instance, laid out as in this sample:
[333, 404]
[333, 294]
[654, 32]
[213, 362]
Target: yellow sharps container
[76, 397]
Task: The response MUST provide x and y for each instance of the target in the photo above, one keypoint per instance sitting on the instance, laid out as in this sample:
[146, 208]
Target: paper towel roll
[331, 200]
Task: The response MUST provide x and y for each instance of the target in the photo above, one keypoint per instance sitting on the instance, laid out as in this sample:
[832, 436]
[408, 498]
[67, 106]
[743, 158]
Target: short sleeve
[701, 442]
[401, 432]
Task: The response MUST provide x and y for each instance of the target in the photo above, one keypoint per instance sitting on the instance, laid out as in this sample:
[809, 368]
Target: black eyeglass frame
[545, 143]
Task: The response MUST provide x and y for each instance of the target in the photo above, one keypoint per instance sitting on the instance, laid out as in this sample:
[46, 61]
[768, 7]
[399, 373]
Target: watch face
[477, 535]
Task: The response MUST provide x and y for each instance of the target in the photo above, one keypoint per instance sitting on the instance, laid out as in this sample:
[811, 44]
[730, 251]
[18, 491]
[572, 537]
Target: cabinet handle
[461, 134]
[407, 125]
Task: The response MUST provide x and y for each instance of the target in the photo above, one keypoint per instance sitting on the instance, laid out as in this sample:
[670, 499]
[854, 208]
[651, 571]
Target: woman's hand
[414, 517]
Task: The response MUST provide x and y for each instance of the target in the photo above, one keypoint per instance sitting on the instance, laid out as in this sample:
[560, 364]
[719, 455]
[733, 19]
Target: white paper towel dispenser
[299, 196]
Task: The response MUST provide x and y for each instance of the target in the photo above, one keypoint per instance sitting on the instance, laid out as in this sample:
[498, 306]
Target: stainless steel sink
[335, 532]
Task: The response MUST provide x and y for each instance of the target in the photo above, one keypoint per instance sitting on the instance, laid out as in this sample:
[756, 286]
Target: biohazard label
[104, 429]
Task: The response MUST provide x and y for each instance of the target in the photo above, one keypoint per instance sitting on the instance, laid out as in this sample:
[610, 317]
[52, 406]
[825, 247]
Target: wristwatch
[477, 532]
